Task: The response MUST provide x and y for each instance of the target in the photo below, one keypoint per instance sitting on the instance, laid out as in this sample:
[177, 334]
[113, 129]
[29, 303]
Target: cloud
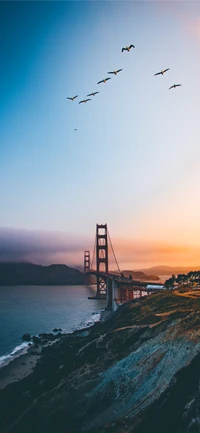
[43, 247]
[135, 254]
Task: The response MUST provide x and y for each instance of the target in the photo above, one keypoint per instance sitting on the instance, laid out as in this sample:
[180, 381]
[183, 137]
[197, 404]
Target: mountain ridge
[169, 270]
[19, 273]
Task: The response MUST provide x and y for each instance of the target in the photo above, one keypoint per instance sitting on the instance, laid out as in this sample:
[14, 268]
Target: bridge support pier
[112, 292]
[109, 293]
[115, 295]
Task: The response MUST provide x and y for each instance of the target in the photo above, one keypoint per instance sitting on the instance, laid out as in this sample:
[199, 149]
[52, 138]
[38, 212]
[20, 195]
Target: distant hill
[20, 273]
[169, 270]
[141, 276]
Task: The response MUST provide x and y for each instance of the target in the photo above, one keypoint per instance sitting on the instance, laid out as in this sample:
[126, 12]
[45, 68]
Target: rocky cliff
[138, 371]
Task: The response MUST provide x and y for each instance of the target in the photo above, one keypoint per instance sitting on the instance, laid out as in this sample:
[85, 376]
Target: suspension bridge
[112, 285]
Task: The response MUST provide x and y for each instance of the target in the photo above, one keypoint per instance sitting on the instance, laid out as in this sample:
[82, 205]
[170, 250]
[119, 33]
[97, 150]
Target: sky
[133, 162]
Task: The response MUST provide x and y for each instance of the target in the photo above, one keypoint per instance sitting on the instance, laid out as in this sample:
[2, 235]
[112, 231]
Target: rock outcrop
[136, 372]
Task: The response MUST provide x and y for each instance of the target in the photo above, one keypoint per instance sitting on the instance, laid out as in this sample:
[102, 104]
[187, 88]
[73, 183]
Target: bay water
[36, 309]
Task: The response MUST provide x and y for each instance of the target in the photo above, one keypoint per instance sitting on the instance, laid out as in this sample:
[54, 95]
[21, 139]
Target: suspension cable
[113, 252]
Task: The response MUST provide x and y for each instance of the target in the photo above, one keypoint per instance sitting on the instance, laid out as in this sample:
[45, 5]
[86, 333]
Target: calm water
[36, 309]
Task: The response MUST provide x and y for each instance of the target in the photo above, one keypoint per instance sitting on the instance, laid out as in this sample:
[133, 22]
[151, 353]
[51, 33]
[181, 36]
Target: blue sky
[134, 160]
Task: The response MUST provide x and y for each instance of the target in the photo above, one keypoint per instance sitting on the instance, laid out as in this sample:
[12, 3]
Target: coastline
[117, 373]
[105, 314]
[20, 366]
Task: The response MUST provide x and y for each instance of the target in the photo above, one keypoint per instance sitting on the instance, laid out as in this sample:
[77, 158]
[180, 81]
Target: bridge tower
[101, 257]
[87, 266]
[86, 261]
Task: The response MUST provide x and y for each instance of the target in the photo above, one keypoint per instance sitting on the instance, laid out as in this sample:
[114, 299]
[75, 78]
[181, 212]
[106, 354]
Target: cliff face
[28, 273]
[139, 371]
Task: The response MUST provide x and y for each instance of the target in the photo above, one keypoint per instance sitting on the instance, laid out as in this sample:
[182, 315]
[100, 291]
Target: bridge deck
[124, 280]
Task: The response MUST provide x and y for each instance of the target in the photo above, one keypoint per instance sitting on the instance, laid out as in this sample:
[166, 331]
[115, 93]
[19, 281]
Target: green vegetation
[190, 279]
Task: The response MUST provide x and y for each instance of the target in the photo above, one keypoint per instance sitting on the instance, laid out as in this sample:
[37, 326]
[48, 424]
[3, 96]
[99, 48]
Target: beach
[20, 367]
[24, 363]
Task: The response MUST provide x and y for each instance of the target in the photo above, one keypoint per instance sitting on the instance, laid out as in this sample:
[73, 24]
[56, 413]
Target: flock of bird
[162, 73]
[115, 72]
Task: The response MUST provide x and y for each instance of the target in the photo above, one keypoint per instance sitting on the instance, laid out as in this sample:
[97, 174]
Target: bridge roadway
[125, 280]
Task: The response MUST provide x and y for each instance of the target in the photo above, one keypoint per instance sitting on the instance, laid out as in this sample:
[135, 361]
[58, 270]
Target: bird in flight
[73, 97]
[128, 48]
[104, 81]
[84, 100]
[115, 72]
[75, 129]
[92, 94]
[175, 85]
[162, 72]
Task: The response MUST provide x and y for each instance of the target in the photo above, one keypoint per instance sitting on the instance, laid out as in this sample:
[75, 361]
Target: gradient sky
[134, 160]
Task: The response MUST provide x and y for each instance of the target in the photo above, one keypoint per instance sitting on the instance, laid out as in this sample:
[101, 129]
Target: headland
[136, 371]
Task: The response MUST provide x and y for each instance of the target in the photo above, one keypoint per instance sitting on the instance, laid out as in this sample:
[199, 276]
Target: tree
[170, 281]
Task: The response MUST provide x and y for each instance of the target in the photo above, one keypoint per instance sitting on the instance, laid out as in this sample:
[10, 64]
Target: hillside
[30, 274]
[169, 270]
[141, 276]
[136, 372]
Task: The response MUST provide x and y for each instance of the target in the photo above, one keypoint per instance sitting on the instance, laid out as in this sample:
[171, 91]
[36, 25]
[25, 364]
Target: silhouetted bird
[115, 72]
[104, 81]
[128, 48]
[162, 72]
[73, 97]
[84, 100]
[92, 94]
[175, 85]
[75, 129]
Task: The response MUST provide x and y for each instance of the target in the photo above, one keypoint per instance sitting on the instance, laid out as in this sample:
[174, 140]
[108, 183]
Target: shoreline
[122, 372]
[22, 364]
[105, 314]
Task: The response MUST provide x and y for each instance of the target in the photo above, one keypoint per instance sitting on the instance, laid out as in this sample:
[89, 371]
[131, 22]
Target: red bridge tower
[101, 257]
[87, 266]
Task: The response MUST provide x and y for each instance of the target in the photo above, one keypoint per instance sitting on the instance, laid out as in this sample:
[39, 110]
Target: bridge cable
[113, 252]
